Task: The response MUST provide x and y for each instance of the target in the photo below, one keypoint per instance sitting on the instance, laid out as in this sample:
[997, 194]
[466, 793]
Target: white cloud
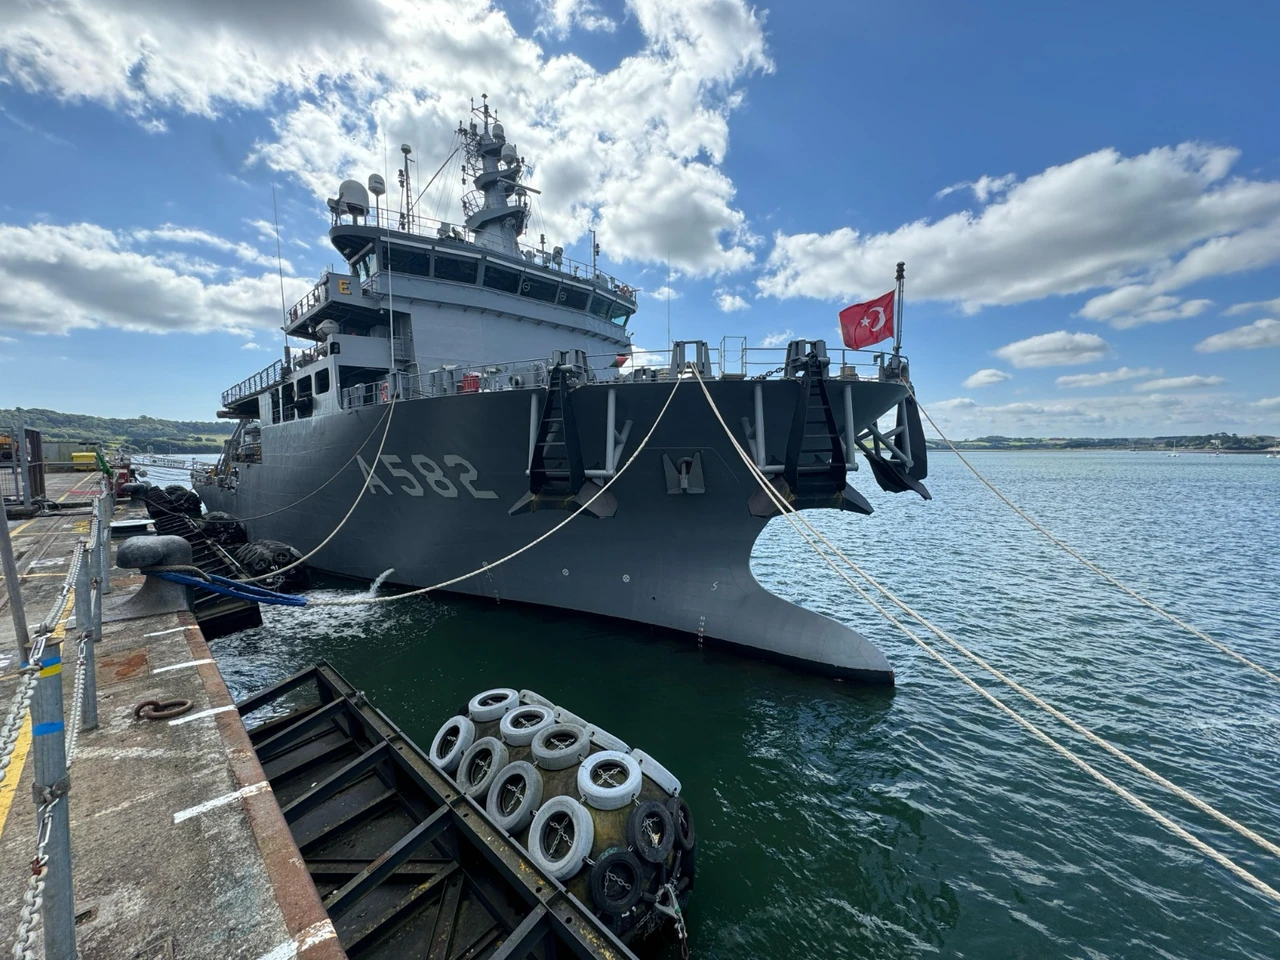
[252, 346]
[729, 302]
[1252, 336]
[56, 278]
[1194, 381]
[1135, 305]
[8, 339]
[1057, 349]
[1107, 377]
[634, 148]
[665, 293]
[984, 188]
[1260, 306]
[559, 17]
[778, 339]
[169, 233]
[1269, 403]
[1155, 222]
[985, 378]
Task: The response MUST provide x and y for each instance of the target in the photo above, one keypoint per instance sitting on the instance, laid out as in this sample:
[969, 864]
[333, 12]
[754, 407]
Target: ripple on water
[837, 821]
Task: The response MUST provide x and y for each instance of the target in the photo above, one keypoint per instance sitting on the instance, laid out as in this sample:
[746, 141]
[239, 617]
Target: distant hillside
[137, 435]
[1226, 442]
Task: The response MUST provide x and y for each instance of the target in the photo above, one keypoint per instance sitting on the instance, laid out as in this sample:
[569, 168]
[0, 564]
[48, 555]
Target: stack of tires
[603, 819]
[272, 565]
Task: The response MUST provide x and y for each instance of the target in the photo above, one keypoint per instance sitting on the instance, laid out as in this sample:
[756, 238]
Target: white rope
[791, 514]
[1093, 566]
[358, 601]
[377, 458]
[261, 516]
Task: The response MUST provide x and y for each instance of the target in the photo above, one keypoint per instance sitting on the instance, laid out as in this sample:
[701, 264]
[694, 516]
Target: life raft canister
[384, 392]
[470, 383]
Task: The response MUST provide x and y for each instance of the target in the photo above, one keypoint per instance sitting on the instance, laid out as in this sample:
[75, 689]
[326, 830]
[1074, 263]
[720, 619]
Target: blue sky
[1087, 196]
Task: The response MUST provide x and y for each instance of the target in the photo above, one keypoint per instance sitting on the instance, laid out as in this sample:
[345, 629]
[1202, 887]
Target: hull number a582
[431, 474]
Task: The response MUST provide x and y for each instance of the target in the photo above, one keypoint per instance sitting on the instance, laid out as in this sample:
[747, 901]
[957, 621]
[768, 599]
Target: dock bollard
[156, 595]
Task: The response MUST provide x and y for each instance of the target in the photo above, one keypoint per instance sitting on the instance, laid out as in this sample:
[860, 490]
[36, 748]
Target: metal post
[86, 573]
[610, 436]
[106, 508]
[52, 782]
[761, 460]
[897, 320]
[9, 567]
[24, 468]
[93, 632]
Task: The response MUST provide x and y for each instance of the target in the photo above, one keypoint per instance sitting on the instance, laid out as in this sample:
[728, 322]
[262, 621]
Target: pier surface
[178, 846]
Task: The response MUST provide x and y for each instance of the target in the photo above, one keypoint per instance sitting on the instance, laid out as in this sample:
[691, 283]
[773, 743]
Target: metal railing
[48, 901]
[315, 296]
[437, 230]
[262, 380]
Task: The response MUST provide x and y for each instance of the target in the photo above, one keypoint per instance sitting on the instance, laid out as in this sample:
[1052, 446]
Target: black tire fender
[616, 881]
[650, 831]
[682, 820]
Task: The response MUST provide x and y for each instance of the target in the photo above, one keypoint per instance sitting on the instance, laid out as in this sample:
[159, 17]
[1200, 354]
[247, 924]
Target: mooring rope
[792, 514]
[262, 516]
[362, 600]
[377, 458]
[1172, 618]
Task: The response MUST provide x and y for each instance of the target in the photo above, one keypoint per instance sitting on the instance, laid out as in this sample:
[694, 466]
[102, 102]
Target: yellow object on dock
[85, 459]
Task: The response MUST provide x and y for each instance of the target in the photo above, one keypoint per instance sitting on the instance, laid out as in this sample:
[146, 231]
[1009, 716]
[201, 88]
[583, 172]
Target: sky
[1086, 194]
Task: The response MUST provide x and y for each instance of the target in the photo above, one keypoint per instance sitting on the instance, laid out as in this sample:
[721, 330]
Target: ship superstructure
[516, 398]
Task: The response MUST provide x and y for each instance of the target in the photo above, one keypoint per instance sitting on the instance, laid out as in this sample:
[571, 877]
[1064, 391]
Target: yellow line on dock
[9, 788]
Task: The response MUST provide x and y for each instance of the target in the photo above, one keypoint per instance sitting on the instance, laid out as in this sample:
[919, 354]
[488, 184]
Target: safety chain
[33, 897]
[21, 705]
[77, 698]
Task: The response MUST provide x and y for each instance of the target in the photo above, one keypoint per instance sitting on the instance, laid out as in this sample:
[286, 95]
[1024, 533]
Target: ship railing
[539, 256]
[737, 362]
[317, 295]
[452, 379]
[262, 380]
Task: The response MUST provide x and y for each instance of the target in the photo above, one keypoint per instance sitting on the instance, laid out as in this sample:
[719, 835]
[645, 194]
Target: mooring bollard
[155, 595]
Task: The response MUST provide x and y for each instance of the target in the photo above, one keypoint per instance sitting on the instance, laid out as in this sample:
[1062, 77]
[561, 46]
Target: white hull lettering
[430, 471]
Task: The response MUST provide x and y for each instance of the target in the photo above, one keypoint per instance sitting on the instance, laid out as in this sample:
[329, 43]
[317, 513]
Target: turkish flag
[863, 324]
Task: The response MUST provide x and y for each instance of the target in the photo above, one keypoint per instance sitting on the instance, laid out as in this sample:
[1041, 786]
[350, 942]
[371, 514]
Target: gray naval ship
[514, 395]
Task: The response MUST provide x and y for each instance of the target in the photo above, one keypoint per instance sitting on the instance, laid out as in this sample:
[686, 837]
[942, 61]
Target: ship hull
[452, 469]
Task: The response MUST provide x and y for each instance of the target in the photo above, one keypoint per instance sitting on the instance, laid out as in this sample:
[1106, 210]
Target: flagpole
[897, 320]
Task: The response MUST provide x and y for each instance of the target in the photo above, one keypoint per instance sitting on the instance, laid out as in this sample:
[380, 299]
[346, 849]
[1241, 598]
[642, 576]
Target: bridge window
[600, 306]
[499, 279]
[537, 289]
[619, 314]
[575, 298]
[458, 270]
[408, 260]
[322, 381]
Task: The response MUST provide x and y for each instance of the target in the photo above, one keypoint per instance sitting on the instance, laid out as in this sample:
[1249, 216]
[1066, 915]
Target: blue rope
[233, 588]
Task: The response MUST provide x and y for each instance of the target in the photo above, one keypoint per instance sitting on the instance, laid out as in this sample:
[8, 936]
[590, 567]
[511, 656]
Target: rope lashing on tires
[792, 514]
[237, 589]
[357, 601]
[1067, 548]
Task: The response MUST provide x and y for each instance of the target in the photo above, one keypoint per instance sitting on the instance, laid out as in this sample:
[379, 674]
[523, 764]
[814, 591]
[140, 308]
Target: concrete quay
[179, 848]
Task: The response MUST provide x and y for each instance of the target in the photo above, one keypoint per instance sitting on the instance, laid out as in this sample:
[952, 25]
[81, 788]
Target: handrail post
[92, 632]
[9, 567]
[52, 784]
[105, 511]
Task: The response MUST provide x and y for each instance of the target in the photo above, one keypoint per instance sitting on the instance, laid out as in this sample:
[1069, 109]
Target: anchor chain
[30, 675]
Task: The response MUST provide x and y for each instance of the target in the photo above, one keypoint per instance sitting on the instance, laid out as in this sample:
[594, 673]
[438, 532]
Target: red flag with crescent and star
[863, 324]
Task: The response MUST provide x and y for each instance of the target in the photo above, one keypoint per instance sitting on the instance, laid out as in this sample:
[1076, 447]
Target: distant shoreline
[1194, 451]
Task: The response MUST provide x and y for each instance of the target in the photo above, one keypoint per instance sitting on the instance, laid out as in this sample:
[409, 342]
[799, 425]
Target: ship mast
[497, 210]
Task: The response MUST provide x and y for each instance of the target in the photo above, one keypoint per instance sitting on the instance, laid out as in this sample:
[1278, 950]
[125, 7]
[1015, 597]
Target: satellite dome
[509, 152]
[353, 198]
[377, 186]
[498, 132]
